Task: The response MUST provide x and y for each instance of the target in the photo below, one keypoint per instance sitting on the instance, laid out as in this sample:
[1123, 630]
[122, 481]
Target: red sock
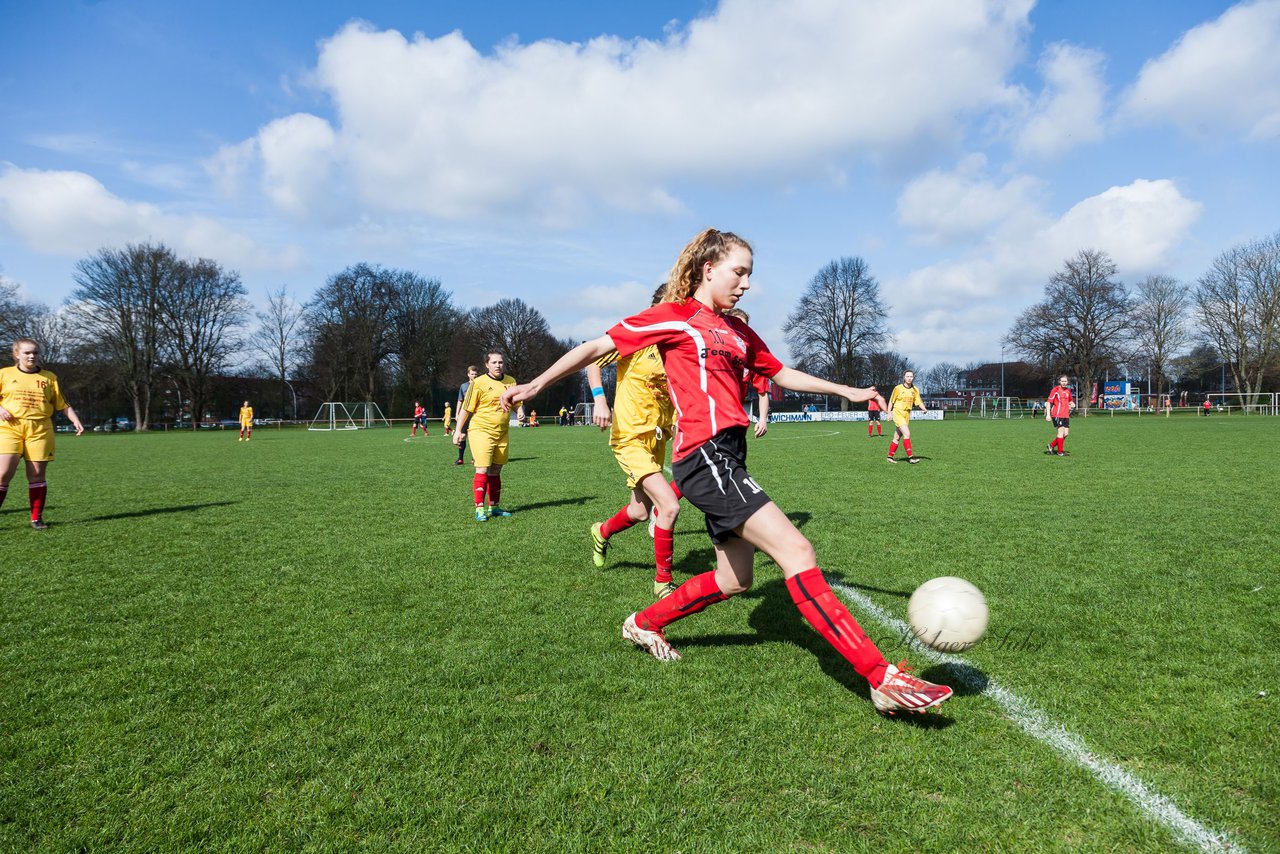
[879, 429]
[1062, 444]
[827, 614]
[37, 491]
[479, 484]
[696, 594]
[893, 448]
[870, 425]
[495, 490]
[664, 548]
[619, 521]
[4, 493]
[676, 490]
[906, 446]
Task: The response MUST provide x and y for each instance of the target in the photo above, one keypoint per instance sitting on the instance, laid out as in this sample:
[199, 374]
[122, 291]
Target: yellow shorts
[28, 437]
[487, 450]
[901, 420]
[640, 456]
[245, 425]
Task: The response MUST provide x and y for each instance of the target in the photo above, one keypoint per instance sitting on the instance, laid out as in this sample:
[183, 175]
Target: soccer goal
[583, 413]
[996, 407]
[367, 414]
[1258, 403]
[333, 416]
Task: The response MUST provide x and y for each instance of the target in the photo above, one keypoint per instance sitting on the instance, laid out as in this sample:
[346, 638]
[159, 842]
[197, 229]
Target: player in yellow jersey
[905, 397]
[640, 428]
[28, 398]
[246, 422]
[485, 424]
[448, 418]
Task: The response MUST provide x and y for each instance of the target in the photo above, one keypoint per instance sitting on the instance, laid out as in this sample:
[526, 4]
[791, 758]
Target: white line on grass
[1037, 724]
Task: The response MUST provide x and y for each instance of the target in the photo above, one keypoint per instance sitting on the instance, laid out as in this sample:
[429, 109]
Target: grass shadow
[154, 511]
[524, 508]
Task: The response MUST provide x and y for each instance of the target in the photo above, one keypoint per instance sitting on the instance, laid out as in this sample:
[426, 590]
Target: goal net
[996, 407]
[583, 413]
[333, 416]
[367, 414]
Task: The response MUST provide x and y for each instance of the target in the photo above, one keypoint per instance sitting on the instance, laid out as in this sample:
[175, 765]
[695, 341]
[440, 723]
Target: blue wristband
[597, 392]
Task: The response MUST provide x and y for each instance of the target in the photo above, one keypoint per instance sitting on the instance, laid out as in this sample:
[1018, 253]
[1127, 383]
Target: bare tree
[942, 378]
[1081, 326]
[839, 321]
[423, 321]
[349, 331]
[884, 370]
[115, 310]
[200, 314]
[1239, 307]
[1159, 323]
[51, 329]
[18, 317]
[518, 331]
[278, 338]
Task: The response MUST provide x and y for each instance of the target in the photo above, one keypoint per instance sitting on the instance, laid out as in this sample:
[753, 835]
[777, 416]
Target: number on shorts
[755, 487]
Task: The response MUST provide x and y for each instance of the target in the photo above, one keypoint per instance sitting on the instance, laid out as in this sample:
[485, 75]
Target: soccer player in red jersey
[873, 418]
[419, 420]
[704, 354]
[1058, 410]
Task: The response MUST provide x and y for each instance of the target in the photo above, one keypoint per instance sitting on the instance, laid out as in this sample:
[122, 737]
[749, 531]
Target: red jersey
[705, 355]
[1059, 402]
[872, 405]
[418, 412]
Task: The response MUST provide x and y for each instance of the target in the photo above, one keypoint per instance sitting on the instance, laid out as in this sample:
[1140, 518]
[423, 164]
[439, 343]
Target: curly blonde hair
[708, 246]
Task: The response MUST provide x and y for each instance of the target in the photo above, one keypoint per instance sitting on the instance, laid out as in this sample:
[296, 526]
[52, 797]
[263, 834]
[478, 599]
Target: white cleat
[655, 643]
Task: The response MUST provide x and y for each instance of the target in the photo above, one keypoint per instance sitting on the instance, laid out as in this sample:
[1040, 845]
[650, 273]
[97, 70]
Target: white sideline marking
[810, 436]
[1037, 724]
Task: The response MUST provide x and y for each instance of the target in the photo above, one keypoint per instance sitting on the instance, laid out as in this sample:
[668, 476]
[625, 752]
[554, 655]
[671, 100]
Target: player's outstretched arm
[600, 414]
[762, 423]
[74, 419]
[790, 378]
[575, 360]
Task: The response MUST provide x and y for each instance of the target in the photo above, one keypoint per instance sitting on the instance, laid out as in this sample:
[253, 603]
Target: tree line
[1088, 325]
[141, 319]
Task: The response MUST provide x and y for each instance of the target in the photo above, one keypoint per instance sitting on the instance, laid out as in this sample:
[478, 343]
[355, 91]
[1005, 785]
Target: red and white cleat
[902, 692]
[654, 643]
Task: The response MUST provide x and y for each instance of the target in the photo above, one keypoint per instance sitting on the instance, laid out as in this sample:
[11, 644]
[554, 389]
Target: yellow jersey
[903, 399]
[27, 396]
[246, 415]
[642, 401]
[483, 402]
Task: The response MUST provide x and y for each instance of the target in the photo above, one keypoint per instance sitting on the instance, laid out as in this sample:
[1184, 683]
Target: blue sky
[564, 152]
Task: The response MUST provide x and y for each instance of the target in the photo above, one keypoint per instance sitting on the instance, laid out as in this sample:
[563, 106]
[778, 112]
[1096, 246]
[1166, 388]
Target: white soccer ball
[948, 614]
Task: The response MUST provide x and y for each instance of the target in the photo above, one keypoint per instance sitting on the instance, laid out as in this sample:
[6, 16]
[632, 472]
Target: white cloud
[1223, 75]
[71, 213]
[754, 90]
[942, 207]
[954, 309]
[1069, 110]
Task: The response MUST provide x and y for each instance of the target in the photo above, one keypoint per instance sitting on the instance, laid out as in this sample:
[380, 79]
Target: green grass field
[305, 642]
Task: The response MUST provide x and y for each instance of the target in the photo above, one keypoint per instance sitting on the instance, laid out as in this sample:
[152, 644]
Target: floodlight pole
[1002, 370]
[295, 398]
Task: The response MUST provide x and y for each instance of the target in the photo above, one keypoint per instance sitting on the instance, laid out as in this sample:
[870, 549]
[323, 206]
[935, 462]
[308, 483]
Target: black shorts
[873, 414]
[1062, 422]
[714, 478]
